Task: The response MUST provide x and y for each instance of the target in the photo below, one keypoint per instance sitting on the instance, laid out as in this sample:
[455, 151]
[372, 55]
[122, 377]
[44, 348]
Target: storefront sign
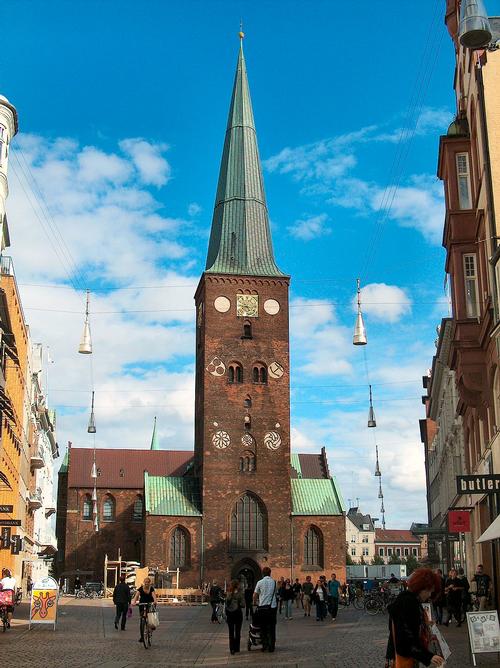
[459, 521]
[484, 632]
[43, 608]
[5, 538]
[10, 523]
[17, 544]
[478, 484]
[6, 509]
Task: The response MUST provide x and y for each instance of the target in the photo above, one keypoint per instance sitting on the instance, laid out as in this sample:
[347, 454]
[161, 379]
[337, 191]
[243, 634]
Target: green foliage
[394, 559]
[378, 560]
[411, 564]
[348, 559]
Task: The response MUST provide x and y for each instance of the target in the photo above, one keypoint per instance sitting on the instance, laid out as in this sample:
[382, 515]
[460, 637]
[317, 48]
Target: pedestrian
[29, 585]
[483, 586]
[465, 591]
[235, 602]
[8, 582]
[78, 584]
[307, 590]
[409, 635]
[248, 600]
[144, 595]
[320, 594]
[439, 598]
[287, 594]
[215, 595]
[297, 591]
[121, 598]
[280, 588]
[453, 589]
[265, 598]
[333, 587]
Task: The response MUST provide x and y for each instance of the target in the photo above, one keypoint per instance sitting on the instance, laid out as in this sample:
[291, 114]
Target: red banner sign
[459, 521]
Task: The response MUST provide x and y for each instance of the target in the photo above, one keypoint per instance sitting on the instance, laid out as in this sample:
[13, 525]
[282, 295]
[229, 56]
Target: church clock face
[247, 306]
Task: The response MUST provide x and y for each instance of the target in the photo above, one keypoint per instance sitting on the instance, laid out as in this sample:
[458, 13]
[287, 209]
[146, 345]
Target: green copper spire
[240, 240]
[155, 443]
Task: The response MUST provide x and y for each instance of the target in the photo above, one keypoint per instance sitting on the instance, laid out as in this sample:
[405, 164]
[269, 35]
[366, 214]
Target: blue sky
[122, 113]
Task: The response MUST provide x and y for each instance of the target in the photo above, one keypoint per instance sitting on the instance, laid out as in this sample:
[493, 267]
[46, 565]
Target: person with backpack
[235, 602]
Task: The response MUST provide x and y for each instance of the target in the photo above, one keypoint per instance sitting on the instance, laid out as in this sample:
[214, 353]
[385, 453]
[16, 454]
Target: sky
[122, 113]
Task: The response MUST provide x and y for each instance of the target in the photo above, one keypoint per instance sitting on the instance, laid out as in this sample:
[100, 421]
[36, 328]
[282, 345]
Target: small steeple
[240, 239]
[155, 443]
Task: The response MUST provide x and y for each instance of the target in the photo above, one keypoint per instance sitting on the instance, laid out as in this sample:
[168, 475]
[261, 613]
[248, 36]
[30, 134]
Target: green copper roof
[171, 495]
[240, 240]
[65, 462]
[295, 462]
[315, 497]
[155, 443]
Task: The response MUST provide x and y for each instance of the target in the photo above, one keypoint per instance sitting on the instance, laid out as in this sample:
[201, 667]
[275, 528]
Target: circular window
[222, 304]
[271, 306]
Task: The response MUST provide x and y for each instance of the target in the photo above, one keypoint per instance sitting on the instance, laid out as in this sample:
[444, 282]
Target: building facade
[397, 544]
[469, 166]
[245, 501]
[360, 537]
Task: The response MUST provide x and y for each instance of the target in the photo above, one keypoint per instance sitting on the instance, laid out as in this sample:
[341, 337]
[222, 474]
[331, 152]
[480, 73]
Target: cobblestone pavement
[86, 637]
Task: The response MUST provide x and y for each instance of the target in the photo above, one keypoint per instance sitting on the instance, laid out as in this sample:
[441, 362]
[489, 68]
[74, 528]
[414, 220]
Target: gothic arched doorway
[247, 571]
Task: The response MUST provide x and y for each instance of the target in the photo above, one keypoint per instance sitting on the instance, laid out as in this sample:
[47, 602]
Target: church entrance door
[247, 572]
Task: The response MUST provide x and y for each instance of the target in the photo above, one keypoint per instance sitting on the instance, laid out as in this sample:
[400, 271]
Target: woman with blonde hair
[235, 602]
[143, 596]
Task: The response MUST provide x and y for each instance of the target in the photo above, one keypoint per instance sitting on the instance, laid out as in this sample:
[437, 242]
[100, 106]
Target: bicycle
[220, 611]
[6, 602]
[146, 628]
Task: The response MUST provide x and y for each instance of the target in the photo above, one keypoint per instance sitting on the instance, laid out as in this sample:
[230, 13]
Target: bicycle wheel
[150, 634]
[359, 603]
[144, 629]
[372, 606]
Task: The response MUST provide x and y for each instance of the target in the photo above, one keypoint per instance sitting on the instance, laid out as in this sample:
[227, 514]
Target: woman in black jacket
[319, 596]
[408, 632]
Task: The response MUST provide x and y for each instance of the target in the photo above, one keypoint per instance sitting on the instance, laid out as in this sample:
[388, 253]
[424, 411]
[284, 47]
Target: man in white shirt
[264, 598]
[8, 582]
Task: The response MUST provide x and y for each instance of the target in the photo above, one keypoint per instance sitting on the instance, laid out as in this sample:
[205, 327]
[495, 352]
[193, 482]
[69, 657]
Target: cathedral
[241, 500]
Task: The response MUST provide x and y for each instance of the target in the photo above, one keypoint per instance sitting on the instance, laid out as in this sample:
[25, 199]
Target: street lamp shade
[474, 31]
[86, 341]
[371, 413]
[359, 338]
[91, 428]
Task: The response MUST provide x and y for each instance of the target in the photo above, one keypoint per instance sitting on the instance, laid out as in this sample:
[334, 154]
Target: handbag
[153, 620]
[401, 661]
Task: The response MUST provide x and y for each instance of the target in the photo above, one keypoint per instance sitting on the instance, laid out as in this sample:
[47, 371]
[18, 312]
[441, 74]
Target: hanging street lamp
[359, 338]
[86, 342]
[371, 414]
[91, 428]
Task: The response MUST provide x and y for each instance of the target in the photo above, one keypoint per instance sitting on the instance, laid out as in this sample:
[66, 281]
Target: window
[138, 508]
[471, 290]
[398, 551]
[353, 539]
[108, 510]
[247, 462]
[248, 402]
[87, 508]
[235, 373]
[381, 551]
[389, 551]
[414, 551]
[179, 548]
[247, 330]
[365, 552]
[407, 552]
[463, 180]
[249, 524]
[365, 539]
[259, 374]
[353, 551]
[313, 548]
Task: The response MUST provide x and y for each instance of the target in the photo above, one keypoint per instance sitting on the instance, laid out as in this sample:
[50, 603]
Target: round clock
[247, 306]
[271, 306]
[222, 304]
[221, 440]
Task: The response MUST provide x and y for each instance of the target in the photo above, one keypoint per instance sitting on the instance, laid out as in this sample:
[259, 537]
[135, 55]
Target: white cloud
[194, 209]
[387, 303]
[148, 158]
[310, 227]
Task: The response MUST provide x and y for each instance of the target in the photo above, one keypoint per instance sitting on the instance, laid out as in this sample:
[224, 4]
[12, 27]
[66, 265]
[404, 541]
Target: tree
[362, 561]
[377, 560]
[411, 564]
[348, 559]
[394, 559]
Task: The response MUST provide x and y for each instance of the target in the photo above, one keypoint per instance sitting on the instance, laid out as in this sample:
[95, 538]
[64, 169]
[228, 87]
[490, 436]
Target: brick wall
[334, 546]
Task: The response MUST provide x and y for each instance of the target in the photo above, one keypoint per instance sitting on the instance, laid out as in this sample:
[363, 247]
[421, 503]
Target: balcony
[35, 499]
[36, 460]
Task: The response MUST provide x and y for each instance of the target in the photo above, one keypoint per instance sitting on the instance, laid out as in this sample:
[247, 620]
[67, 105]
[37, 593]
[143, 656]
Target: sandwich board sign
[484, 632]
[43, 607]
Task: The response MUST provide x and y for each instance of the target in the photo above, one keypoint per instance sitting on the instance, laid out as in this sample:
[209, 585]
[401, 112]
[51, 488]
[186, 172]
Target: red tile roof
[395, 536]
[311, 466]
[121, 468]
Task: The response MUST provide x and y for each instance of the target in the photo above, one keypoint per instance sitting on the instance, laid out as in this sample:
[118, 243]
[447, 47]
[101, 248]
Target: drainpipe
[202, 554]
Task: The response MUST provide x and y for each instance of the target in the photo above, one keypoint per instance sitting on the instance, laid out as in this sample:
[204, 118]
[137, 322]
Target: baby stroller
[254, 637]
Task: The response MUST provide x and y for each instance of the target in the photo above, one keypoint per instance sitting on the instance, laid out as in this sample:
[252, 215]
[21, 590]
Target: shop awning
[492, 532]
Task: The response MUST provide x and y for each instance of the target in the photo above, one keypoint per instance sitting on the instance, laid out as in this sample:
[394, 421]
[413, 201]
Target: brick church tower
[242, 414]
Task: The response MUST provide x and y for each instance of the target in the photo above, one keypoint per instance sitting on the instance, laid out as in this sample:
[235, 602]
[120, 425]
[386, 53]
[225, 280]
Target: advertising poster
[484, 632]
[43, 609]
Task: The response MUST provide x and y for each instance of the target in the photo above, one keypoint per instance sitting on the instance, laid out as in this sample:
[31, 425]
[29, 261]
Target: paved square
[86, 637]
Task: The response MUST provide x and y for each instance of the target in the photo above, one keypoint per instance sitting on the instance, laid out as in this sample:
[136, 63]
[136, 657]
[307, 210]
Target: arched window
[138, 508]
[179, 548]
[235, 373]
[313, 548]
[87, 508]
[249, 524]
[259, 374]
[247, 462]
[108, 510]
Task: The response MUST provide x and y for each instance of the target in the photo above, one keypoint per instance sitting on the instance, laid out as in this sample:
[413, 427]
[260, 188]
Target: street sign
[10, 523]
[459, 521]
[6, 509]
[5, 538]
[17, 543]
[478, 484]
